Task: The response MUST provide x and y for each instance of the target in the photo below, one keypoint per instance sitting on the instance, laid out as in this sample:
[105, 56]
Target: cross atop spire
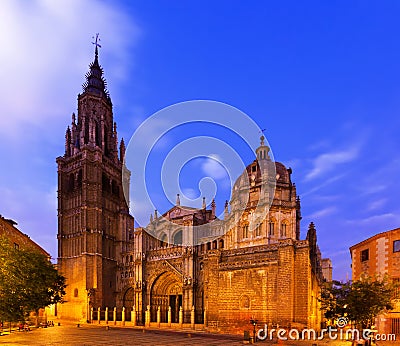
[97, 44]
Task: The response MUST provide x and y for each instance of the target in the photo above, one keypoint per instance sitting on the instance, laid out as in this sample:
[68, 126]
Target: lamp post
[254, 323]
[90, 293]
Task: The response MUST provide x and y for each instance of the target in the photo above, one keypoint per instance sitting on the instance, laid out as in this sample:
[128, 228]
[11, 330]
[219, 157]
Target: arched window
[71, 182]
[271, 227]
[115, 188]
[106, 152]
[178, 238]
[258, 230]
[105, 181]
[221, 243]
[245, 231]
[86, 137]
[79, 180]
[284, 230]
[97, 134]
[245, 302]
[163, 239]
[75, 292]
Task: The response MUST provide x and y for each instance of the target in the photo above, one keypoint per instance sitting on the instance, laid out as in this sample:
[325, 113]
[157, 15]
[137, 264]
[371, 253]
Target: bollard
[106, 316]
[192, 316]
[169, 316]
[115, 315]
[158, 316]
[123, 316]
[133, 316]
[147, 316]
[181, 316]
[91, 315]
[98, 315]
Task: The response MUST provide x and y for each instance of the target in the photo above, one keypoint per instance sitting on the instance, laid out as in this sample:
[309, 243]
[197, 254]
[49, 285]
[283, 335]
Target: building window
[396, 246]
[245, 302]
[245, 231]
[75, 292]
[16, 246]
[271, 226]
[283, 230]
[365, 255]
[178, 238]
[258, 230]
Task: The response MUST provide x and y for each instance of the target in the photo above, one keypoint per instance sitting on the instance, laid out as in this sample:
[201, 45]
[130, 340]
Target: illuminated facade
[253, 265]
[380, 255]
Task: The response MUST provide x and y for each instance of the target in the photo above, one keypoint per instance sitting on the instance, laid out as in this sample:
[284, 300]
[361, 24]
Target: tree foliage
[359, 301]
[28, 282]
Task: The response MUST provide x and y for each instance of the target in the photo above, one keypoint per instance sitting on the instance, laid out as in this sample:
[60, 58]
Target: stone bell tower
[93, 215]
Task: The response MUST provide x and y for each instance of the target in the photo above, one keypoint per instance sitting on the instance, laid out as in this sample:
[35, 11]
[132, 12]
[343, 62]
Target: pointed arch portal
[129, 298]
[166, 291]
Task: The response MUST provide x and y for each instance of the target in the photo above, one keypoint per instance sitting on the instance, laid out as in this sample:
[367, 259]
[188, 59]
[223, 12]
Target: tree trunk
[37, 318]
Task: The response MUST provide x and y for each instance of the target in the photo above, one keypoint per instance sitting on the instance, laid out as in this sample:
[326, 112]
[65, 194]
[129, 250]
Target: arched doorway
[129, 298]
[166, 291]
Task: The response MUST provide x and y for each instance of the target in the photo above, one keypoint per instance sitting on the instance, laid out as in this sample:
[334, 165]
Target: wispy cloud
[385, 218]
[376, 204]
[213, 168]
[326, 162]
[45, 53]
[322, 213]
[189, 193]
[322, 185]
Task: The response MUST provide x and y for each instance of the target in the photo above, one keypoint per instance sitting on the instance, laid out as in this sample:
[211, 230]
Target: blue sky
[321, 77]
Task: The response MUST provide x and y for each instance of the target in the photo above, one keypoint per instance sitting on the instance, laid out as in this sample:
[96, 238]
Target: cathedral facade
[249, 265]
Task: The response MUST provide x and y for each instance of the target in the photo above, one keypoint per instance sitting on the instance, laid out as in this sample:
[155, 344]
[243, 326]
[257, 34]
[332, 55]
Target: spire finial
[204, 203]
[262, 138]
[178, 200]
[96, 43]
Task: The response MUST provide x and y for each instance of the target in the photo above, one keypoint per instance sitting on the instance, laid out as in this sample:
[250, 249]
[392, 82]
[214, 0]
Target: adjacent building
[380, 255]
[251, 264]
[18, 239]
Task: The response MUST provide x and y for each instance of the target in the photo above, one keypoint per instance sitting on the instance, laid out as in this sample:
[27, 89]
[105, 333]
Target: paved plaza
[94, 335]
[71, 335]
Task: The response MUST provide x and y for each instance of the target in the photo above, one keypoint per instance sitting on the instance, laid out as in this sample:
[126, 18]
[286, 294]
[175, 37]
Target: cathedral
[251, 265]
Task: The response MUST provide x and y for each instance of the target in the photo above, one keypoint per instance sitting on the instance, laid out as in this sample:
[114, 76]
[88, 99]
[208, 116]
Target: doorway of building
[166, 291]
[175, 302]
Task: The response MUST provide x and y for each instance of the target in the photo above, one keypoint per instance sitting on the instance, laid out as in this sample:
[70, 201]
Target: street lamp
[254, 323]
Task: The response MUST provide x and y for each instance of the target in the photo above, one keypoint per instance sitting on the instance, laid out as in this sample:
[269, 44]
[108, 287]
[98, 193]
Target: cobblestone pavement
[88, 335]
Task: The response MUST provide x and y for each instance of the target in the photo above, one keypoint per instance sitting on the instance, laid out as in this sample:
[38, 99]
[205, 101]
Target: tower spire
[95, 82]
[263, 150]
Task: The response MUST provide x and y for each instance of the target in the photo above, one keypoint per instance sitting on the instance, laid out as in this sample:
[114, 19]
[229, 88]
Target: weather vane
[262, 131]
[97, 39]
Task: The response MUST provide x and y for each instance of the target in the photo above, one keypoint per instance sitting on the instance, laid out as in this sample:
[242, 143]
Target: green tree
[28, 282]
[334, 299]
[359, 301]
[368, 297]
